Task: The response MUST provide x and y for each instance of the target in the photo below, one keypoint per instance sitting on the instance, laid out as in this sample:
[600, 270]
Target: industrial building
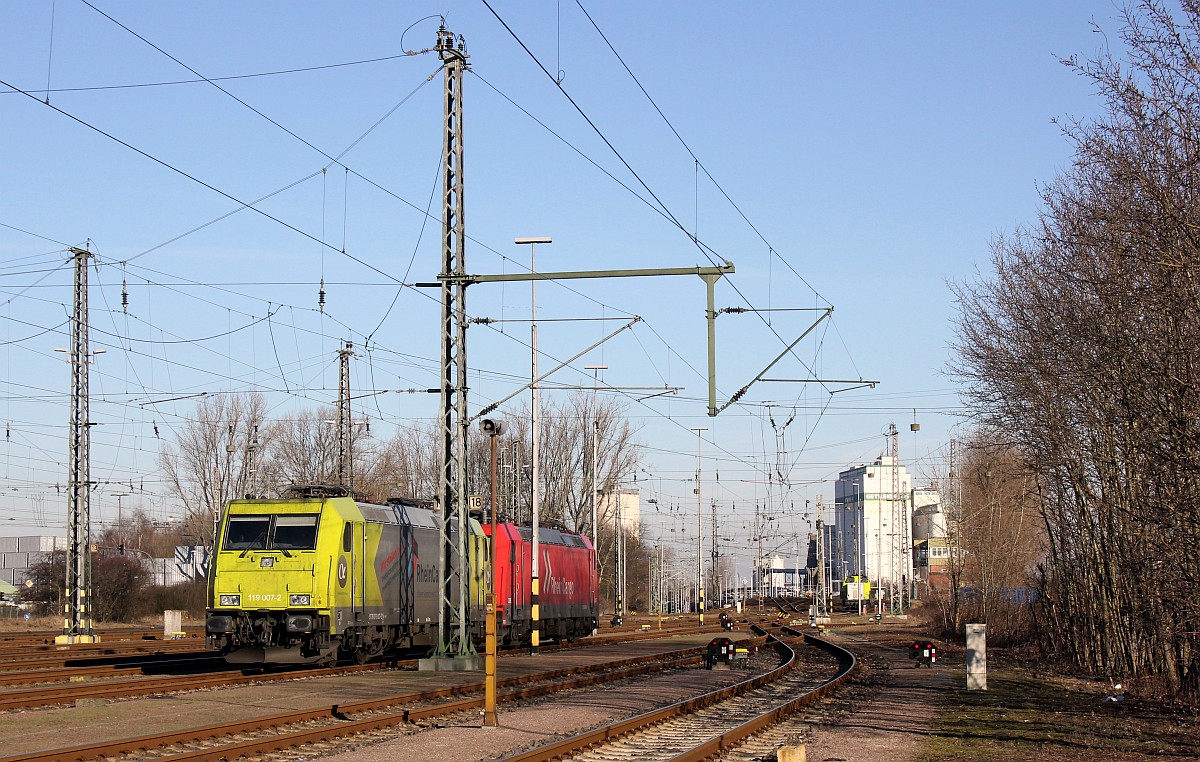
[20, 554]
[624, 505]
[873, 514]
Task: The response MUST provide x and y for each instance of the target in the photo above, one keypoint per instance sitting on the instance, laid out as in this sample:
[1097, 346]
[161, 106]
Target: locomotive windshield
[274, 532]
[295, 532]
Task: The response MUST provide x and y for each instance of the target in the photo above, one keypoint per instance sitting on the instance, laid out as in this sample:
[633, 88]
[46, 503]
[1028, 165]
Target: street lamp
[595, 446]
[699, 531]
[535, 635]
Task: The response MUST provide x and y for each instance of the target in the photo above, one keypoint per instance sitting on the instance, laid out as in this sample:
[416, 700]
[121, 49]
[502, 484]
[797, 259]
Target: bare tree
[566, 439]
[120, 582]
[1081, 349]
[566, 442]
[998, 538]
[304, 449]
[404, 466]
[140, 532]
[215, 458]
[118, 586]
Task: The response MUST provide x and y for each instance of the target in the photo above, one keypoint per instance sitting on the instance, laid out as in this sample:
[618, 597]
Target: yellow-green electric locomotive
[318, 576]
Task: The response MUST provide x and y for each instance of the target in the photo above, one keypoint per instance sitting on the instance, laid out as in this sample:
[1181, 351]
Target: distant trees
[217, 457]
[566, 441]
[1081, 349]
[118, 586]
[996, 539]
[565, 470]
[303, 449]
[139, 532]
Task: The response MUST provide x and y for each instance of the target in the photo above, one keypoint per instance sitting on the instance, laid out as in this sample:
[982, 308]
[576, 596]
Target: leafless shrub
[1081, 349]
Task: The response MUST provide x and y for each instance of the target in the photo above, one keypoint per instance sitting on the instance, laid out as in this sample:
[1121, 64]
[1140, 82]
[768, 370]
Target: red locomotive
[569, 605]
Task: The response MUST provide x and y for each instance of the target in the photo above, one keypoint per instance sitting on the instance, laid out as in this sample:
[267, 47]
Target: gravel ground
[542, 721]
[539, 723]
[896, 716]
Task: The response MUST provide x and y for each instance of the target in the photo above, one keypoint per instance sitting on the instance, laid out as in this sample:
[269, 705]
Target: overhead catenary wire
[273, 307]
[707, 251]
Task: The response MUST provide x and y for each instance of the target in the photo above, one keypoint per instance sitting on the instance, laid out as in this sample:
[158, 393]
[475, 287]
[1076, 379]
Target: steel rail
[38, 659]
[733, 738]
[579, 675]
[134, 686]
[34, 675]
[138, 686]
[46, 637]
[78, 651]
[610, 733]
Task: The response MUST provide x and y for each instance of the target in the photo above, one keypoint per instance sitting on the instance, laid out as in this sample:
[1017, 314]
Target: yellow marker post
[534, 642]
[489, 662]
[493, 429]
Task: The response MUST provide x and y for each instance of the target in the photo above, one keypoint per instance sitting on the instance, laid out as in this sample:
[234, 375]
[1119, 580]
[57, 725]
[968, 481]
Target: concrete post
[977, 657]
[172, 624]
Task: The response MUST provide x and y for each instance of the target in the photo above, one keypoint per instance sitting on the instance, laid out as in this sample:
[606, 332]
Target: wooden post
[791, 754]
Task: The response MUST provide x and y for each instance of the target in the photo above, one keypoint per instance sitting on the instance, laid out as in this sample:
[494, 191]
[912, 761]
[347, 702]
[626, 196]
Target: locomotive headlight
[299, 600]
[231, 600]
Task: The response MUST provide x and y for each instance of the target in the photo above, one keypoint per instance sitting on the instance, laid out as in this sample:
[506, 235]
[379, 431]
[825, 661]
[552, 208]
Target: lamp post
[492, 429]
[595, 369]
[535, 632]
[699, 531]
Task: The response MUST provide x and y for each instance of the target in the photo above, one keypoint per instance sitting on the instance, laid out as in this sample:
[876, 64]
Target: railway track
[75, 683]
[25, 662]
[46, 637]
[707, 725]
[404, 711]
[62, 655]
[27, 674]
[72, 693]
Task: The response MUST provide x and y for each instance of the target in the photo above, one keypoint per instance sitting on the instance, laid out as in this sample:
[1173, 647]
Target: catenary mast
[455, 641]
[77, 607]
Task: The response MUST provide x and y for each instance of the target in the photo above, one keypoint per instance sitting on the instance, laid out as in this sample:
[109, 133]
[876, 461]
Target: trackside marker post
[977, 657]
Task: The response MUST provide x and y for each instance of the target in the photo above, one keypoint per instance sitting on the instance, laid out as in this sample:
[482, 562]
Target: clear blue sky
[874, 148]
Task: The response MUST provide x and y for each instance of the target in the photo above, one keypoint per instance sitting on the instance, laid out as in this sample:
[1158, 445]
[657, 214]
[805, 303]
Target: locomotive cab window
[295, 532]
[247, 532]
[278, 532]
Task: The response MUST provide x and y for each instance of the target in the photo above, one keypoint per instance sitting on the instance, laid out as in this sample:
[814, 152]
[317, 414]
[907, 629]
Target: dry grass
[1023, 717]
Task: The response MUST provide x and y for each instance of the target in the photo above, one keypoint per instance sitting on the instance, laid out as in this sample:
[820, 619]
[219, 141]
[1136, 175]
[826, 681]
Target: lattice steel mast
[899, 528]
[455, 640]
[77, 609]
[345, 463]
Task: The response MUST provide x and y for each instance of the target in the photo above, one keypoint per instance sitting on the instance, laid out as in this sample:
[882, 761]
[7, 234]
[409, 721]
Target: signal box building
[624, 505]
[873, 509]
